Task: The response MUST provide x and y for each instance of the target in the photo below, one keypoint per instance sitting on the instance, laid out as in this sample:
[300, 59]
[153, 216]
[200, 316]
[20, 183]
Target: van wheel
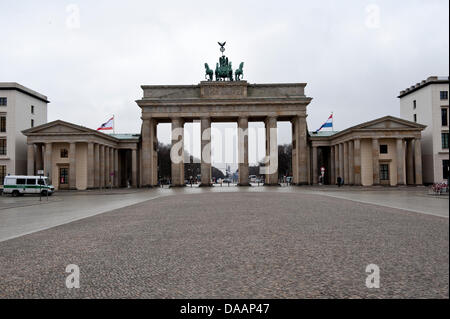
[15, 193]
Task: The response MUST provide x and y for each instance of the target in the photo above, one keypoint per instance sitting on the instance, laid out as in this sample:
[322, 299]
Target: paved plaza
[226, 242]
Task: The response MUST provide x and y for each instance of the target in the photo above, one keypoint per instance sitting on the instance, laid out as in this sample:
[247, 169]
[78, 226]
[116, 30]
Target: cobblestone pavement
[234, 245]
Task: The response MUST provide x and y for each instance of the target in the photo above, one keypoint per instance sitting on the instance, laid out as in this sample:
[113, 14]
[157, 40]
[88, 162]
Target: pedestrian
[339, 181]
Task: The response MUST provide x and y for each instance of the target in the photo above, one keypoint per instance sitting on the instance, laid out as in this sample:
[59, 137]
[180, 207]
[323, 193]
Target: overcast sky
[90, 58]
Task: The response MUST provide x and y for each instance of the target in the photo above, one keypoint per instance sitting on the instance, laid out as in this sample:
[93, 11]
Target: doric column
[111, 166]
[102, 166]
[134, 167]
[90, 165]
[116, 167]
[351, 163]
[294, 158]
[38, 159]
[341, 160]
[418, 161]
[107, 166]
[96, 165]
[243, 151]
[376, 161]
[271, 166]
[346, 166]
[73, 165]
[332, 169]
[302, 151]
[357, 161]
[30, 159]
[336, 163]
[177, 152]
[149, 144]
[410, 162]
[48, 161]
[400, 161]
[205, 166]
[315, 173]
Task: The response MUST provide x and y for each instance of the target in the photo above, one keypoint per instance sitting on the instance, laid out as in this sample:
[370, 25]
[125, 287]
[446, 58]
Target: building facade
[427, 103]
[385, 151]
[76, 157]
[20, 108]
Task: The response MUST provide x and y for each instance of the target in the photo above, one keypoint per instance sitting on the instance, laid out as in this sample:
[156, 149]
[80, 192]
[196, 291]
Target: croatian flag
[328, 123]
[109, 125]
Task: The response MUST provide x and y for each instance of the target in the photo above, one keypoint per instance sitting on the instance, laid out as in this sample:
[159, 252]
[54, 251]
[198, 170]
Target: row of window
[2, 173]
[3, 146]
[3, 124]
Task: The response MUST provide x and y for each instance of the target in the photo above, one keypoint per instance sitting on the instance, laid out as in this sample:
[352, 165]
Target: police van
[21, 185]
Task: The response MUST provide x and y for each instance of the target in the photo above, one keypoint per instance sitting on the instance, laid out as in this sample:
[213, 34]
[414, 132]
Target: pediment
[389, 123]
[58, 127]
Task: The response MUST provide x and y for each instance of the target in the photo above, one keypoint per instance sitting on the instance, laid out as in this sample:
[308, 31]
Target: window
[41, 181]
[2, 173]
[20, 181]
[31, 181]
[2, 124]
[32, 109]
[63, 176]
[445, 169]
[444, 140]
[3, 101]
[383, 149]
[444, 95]
[415, 118]
[444, 116]
[64, 153]
[414, 104]
[384, 172]
[3, 146]
[32, 123]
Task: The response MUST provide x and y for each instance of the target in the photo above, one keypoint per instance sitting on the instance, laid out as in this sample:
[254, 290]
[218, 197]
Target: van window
[41, 181]
[31, 181]
[10, 181]
[20, 181]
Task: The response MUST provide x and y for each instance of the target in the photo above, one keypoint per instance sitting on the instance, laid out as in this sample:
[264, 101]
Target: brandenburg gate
[224, 101]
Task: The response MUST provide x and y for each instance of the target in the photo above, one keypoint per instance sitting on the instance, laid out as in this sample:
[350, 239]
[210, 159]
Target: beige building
[427, 103]
[386, 151]
[76, 157]
[20, 108]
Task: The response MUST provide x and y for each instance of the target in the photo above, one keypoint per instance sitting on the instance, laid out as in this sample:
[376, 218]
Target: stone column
[134, 167]
[243, 151]
[302, 151]
[341, 160]
[90, 166]
[205, 166]
[149, 143]
[351, 161]
[111, 166]
[418, 161]
[332, 168]
[72, 165]
[336, 163]
[96, 165]
[376, 161]
[38, 159]
[116, 167]
[271, 166]
[400, 161]
[102, 166]
[410, 162]
[357, 161]
[294, 151]
[30, 159]
[48, 161]
[315, 173]
[177, 152]
[107, 166]
[346, 166]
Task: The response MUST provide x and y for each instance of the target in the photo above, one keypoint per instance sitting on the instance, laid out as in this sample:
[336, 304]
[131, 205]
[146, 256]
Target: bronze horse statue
[239, 72]
[208, 73]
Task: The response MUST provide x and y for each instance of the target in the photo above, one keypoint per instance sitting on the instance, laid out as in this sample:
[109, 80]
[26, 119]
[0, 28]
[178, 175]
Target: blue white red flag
[328, 123]
[109, 125]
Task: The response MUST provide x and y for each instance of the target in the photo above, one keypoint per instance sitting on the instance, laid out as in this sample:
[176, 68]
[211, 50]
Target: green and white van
[20, 185]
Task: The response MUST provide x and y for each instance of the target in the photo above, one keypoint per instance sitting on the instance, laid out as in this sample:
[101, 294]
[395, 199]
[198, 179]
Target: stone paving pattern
[234, 245]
